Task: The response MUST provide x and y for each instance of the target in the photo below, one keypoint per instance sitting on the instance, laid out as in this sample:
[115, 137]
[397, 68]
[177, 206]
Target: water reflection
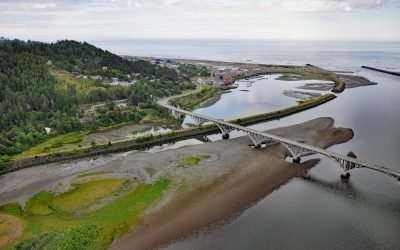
[264, 95]
[320, 211]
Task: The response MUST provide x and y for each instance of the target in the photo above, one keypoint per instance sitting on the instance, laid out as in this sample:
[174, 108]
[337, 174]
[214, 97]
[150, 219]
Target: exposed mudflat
[317, 86]
[353, 81]
[300, 95]
[231, 179]
[228, 183]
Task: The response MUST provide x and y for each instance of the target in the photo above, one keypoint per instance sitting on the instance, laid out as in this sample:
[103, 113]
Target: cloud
[360, 4]
[349, 5]
[129, 19]
[333, 5]
[282, 5]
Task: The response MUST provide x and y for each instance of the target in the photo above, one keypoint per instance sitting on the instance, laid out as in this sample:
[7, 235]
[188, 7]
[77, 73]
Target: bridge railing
[291, 145]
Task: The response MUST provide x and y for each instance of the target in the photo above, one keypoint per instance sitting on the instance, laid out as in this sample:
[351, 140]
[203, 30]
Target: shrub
[75, 238]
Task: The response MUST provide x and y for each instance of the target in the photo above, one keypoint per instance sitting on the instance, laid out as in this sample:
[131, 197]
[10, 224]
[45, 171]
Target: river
[319, 211]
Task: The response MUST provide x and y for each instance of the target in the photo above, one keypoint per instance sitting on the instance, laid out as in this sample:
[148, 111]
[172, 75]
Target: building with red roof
[229, 80]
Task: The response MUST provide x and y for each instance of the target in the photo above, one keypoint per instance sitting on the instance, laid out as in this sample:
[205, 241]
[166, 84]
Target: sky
[110, 20]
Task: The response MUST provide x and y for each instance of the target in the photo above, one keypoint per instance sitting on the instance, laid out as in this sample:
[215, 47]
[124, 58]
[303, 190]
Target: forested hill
[35, 94]
[87, 59]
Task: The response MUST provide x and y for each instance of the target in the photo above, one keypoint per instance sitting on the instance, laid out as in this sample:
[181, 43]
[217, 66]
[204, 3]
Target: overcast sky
[51, 20]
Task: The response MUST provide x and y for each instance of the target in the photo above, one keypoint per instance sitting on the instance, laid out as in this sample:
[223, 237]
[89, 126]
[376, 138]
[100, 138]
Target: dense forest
[30, 99]
[88, 59]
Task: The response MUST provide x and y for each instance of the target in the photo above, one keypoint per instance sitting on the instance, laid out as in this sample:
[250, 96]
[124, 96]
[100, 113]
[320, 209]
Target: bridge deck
[292, 142]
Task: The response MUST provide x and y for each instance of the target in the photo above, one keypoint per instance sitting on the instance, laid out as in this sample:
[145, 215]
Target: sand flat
[253, 175]
[230, 180]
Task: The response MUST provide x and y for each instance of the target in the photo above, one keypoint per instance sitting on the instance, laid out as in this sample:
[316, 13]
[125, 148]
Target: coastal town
[200, 125]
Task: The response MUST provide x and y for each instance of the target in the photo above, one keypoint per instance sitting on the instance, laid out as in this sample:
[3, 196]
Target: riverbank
[290, 72]
[205, 97]
[243, 180]
[184, 189]
[86, 143]
[148, 141]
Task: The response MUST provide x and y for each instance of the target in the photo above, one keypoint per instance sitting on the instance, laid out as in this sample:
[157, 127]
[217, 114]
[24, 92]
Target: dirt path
[10, 229]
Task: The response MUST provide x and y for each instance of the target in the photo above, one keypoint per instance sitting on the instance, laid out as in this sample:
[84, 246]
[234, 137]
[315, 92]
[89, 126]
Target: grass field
[62, 221]
[190, 102]
[50, 146]
[191, 160]
[66, 80]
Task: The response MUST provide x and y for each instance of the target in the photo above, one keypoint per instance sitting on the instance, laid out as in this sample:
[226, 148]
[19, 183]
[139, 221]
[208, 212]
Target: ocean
[332, 55]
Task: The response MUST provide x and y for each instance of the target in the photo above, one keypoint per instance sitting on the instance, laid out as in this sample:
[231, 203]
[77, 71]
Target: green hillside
[46, 84]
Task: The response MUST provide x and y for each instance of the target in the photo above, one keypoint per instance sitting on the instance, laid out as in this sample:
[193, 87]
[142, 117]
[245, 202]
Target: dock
[382, 70]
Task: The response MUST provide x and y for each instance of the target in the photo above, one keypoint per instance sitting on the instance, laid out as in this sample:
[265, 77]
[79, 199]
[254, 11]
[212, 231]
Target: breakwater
[382, 70]
[154, 140]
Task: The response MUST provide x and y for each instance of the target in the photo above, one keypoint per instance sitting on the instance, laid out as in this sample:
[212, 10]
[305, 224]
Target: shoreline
[217, 201]
[229, 180]
[144, 142]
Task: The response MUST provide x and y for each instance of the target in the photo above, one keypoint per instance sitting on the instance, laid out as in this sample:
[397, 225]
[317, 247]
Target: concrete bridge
[296, 149]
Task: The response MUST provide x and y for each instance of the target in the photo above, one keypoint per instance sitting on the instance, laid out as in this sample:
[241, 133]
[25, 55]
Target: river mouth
[263, 94]
[318, 209]
[304, 207]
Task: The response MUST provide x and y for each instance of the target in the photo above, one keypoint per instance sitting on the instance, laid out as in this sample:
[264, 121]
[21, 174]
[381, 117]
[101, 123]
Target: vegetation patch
[11, 209]
[190, 71]
[74, 238]
[190, 102]
[71, 226]
[340, 85]
[315, 75]
[49, 85]
[85, 195]
[148, 140]
[83, 87]
[51, 144]
[93, 174]
[191, 160]
[39, 203]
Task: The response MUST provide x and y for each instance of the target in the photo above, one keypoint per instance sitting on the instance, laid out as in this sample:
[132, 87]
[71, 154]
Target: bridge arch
[295, 148]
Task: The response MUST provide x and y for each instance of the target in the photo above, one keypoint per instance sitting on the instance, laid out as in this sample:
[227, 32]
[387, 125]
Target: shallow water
[262, 95]
[321, 211]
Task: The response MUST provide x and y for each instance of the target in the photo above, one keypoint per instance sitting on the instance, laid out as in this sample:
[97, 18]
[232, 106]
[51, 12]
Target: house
[229, 80]
[97, 77]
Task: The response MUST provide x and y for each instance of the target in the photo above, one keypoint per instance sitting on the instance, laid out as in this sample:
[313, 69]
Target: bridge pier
[345, 176]
[296, 159]
[296, 149]
[225, 136]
